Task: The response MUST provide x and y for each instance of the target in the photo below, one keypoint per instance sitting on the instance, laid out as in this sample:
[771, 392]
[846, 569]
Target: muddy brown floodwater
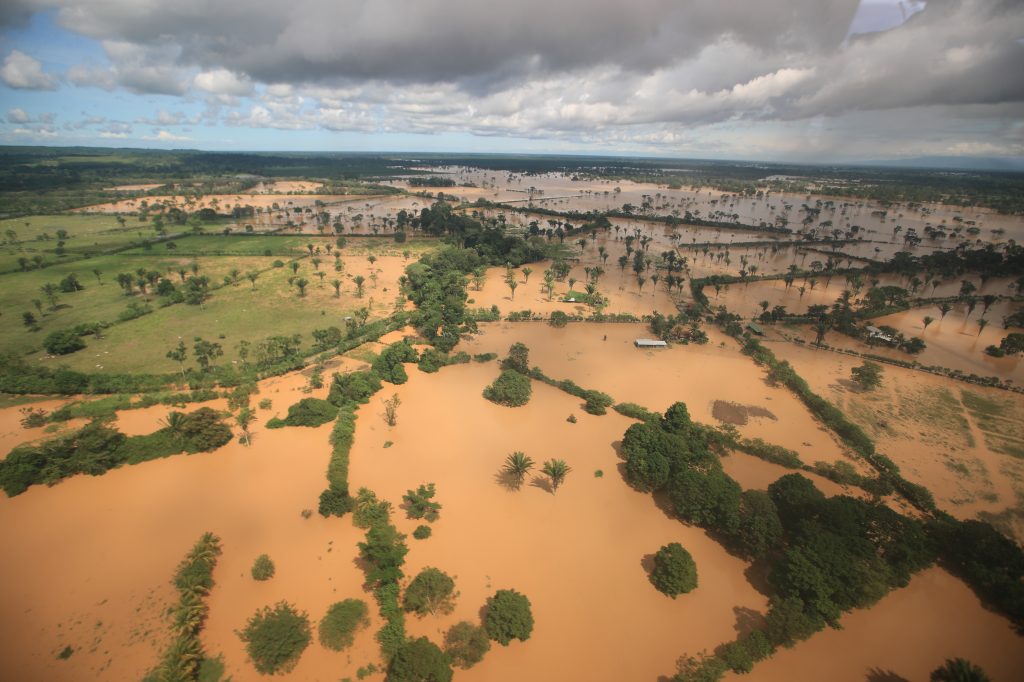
[904, 636]
[577, 555]
[88, 561]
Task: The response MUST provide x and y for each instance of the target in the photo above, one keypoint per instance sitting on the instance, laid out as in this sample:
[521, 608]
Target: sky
[783, 80]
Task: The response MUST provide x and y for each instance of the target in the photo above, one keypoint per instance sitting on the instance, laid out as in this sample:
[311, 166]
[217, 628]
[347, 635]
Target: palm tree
[945, 308]
[982, 323]
[517, 465]
[959, 670]
[173, 422]
[301, 283]
[253, 276]
[556, 470]
[526, 274]
[927, 321]
[336, 283]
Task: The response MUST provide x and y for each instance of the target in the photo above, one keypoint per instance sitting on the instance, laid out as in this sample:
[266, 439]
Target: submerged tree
[516, 466]
[556, 470]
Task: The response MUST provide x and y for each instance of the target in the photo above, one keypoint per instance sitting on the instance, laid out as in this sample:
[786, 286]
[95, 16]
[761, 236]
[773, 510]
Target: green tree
[420, 660]
[510, 389]
[516, 466]
[338, 628]
[302, 283]
[959, 670]
[179, 354]
[385, 551]
[420, 503]
[518, 358]
[759, 529]
[868, 376]
[466, 644]
[674, 571]
[431, 591]
[262, 568]
[63, 342]
[244, 419]
[205, 352]
[508, 616]
[556, 470]
[276, 637]
[359, 281]
[50, 292]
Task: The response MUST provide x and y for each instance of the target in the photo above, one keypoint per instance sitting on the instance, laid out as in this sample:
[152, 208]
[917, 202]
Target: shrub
[429, 592]
[674, 571]
[307, 412]
[558, 319]
[388, 365]
[511, 389]
[508, 617]
[422, 532]
[420, 660]
[344, 619]
[420, 505]
[518, 358]
[466, 644]
[276, 637]
[485, 357]
[62, 342]
[262, 568]
[203, 430]
[741, 655]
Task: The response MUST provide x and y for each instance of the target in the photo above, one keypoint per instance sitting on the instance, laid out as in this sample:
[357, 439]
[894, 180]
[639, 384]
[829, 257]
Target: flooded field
[937, 430]
[905, 636]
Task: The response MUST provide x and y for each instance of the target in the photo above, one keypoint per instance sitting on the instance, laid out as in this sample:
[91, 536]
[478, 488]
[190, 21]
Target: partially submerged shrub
[262, 568]
[344, 619]
[466, 644]
[511, 389]
[674, 571]
[275, 638]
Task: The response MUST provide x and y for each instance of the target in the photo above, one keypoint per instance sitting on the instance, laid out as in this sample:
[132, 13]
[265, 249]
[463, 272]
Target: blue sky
[821, 80]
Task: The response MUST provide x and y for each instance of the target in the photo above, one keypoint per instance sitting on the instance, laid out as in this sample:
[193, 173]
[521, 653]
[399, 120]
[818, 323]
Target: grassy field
[87, 235]
[1002, 422]
[234, 311]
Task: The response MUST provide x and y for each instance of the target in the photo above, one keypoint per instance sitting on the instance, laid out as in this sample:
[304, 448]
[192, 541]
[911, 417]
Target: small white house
[876, 333]
[650, 343]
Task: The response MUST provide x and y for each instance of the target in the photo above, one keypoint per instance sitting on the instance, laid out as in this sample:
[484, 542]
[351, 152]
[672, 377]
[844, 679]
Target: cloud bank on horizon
[783, 79]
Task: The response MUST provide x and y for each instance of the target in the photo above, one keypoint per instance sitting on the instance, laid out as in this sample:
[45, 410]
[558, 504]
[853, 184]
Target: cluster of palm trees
[193, 579]
[518, 465]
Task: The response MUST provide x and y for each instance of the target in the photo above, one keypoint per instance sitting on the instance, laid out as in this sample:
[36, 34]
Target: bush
[354, 387]
[262, 568]
[508, 617]
[674, 571]
[429, 592]
[511, 389]
[276, 637]
[466, 644]
[307, 412]
[422, 532]
[62, 342]
[558, 319]
[420, 660]
[868, 376]
[742, 654]
[485, 357]
[344, 619]
[420, 505]
[388, 365]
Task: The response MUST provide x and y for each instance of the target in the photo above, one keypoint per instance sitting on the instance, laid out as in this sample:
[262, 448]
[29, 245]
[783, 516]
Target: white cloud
[26, 73]
[17, 115]
[164, 136]
[223, 82]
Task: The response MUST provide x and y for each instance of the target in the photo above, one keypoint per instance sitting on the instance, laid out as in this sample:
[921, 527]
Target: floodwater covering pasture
[964, 442]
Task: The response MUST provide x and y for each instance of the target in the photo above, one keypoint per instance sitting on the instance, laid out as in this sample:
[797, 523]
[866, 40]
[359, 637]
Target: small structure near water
[650, 343]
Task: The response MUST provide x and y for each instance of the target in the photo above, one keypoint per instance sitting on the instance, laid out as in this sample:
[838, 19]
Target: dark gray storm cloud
[551, 68]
